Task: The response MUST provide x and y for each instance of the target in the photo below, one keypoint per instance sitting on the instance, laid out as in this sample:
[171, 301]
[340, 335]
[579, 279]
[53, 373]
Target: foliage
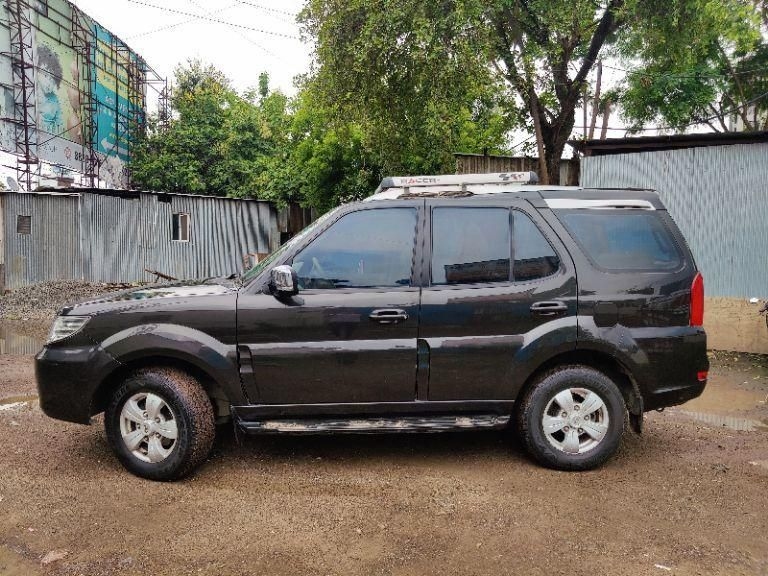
[701, 62]
[412, 68]
[417, 67]
[407, 73]
[217, 141]
[263, 145]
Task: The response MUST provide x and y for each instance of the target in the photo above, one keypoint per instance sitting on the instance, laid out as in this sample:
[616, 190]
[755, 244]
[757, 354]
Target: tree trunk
[596, 100]
[606, 118]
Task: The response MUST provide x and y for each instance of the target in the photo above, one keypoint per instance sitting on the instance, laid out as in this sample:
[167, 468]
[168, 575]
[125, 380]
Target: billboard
[87, 88]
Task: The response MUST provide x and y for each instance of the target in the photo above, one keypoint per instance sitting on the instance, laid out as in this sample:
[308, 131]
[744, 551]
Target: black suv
[439, 303]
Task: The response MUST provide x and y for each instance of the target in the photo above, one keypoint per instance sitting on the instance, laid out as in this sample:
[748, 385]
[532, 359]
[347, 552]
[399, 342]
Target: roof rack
[407, 183]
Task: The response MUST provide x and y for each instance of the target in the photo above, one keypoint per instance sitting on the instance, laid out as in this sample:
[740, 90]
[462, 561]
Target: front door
[349, 336]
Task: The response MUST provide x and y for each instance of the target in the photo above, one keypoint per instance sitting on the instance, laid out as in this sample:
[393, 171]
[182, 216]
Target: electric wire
[217, 20]
[177, 24]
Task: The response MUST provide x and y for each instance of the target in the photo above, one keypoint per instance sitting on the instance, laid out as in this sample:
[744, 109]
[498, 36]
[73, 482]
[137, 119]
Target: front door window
[366, 249]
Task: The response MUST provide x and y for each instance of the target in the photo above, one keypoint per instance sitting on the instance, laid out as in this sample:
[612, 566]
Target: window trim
[683, 259]
[414, 283]
[27, 219]
[428, 255]
[186, 217]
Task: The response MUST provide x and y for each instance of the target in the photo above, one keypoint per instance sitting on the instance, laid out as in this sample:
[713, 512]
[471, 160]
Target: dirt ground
[688, 497]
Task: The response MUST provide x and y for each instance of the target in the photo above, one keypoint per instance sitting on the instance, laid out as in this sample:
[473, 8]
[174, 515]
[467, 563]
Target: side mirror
[283, 281]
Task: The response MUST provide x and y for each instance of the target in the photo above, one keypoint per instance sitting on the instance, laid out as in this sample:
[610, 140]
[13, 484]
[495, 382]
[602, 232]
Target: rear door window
[477, 245]
[470, 245]
[534, 256]
[623, 240]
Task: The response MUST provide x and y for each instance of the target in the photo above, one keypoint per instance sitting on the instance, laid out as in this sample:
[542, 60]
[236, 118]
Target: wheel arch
[606, 363]
[220, 399]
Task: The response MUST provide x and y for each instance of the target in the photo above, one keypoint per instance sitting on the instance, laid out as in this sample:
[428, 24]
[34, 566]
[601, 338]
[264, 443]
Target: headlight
[66, 326]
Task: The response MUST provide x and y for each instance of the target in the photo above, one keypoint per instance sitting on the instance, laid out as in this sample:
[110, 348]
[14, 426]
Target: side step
[374, 425]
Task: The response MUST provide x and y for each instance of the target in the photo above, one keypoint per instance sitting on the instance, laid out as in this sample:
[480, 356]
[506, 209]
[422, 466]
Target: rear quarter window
[623, 240]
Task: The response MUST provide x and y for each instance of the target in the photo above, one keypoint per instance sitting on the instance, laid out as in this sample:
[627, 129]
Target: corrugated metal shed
[718, 195]
[103, 236]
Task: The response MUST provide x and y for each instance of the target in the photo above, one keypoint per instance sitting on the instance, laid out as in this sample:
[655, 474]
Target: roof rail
[456, 180]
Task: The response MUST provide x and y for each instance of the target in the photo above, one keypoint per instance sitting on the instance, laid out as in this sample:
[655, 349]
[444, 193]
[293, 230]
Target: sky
[242, 38]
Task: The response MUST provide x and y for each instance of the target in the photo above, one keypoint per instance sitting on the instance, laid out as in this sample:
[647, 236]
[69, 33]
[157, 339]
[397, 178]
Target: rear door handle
[388, 316]
[549, 308]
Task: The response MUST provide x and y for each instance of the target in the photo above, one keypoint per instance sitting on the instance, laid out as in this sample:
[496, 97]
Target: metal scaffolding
[22, 66]
[132, 80]
[85, 50]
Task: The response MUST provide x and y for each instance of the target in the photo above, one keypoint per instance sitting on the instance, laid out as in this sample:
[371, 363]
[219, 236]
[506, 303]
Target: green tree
[407, 74]
[217, 142]
[700, 62]
[415, 66]
[412, 67]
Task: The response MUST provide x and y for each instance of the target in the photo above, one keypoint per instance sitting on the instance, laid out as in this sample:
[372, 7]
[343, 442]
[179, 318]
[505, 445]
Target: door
[494, 281]
[349, 336]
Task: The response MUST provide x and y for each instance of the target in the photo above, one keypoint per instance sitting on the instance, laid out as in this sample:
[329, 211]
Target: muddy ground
[688, 497]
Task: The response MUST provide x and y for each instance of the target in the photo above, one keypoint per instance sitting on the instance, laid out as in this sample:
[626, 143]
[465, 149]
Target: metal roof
[670, 142]
[123, 193]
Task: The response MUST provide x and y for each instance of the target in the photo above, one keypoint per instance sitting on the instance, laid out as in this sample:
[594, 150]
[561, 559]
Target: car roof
[511, 185]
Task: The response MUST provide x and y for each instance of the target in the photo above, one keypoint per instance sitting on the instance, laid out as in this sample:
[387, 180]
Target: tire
[160, 423]
[559, 400]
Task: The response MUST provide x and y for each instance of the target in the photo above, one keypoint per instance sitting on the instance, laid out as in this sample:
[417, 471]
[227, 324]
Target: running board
[374, 425]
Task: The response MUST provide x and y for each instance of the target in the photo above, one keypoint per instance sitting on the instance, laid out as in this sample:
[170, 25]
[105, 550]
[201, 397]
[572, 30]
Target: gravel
[41, 302]
[686, 495]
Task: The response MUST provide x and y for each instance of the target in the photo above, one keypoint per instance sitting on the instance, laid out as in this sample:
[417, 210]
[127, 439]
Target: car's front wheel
[572, 418]
[160, 423]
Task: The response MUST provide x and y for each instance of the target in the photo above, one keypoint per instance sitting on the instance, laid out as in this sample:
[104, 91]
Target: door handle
[549, 308]
[388, 316]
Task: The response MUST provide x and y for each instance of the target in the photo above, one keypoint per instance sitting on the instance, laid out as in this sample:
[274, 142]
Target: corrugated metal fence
[113, 237]
[718, 196]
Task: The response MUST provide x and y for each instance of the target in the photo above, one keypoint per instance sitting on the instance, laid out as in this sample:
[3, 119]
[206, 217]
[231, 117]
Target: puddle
[17, 340]
[722, 398]
[736, 401]
[15, 403]
[731, 422]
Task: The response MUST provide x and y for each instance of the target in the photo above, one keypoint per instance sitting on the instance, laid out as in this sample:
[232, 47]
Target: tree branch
[604, 28]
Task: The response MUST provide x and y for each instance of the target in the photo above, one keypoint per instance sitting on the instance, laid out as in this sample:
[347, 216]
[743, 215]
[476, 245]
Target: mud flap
[236, 426]
[635, 409]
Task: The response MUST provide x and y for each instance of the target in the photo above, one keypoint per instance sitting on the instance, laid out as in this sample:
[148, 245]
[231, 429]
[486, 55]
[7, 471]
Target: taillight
[697, 301]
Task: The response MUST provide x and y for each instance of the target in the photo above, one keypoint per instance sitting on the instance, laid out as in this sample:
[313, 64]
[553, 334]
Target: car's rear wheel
[572, 418]
[160, 423]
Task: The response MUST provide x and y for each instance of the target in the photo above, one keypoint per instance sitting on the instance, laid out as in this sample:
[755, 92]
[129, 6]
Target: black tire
[185, 402]
[550, 449]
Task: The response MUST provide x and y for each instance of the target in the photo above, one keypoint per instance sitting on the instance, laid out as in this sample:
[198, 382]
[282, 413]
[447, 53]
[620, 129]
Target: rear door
[499, 293]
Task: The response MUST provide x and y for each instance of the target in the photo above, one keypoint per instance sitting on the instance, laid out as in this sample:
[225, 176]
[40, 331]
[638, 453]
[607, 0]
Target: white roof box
[421, 184]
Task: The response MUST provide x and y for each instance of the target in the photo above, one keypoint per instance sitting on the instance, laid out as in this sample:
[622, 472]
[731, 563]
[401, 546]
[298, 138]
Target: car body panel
[467, 348]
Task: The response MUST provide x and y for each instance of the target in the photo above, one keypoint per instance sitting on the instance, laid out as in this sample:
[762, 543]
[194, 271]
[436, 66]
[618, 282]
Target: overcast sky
[241, 38]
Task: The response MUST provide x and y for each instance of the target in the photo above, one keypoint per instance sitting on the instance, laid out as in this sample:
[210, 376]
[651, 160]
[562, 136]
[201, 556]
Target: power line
[177, 24]
[233, 24]
[244, 37]
[693, 76]
[262, 7]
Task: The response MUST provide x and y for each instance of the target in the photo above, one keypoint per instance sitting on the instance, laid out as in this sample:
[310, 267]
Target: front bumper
[68, 378]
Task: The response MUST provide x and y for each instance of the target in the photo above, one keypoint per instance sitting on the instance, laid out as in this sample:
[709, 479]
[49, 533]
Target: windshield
[264, 264]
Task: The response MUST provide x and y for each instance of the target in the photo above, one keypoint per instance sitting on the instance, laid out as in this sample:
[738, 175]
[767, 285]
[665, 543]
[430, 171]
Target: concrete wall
[734, 324]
